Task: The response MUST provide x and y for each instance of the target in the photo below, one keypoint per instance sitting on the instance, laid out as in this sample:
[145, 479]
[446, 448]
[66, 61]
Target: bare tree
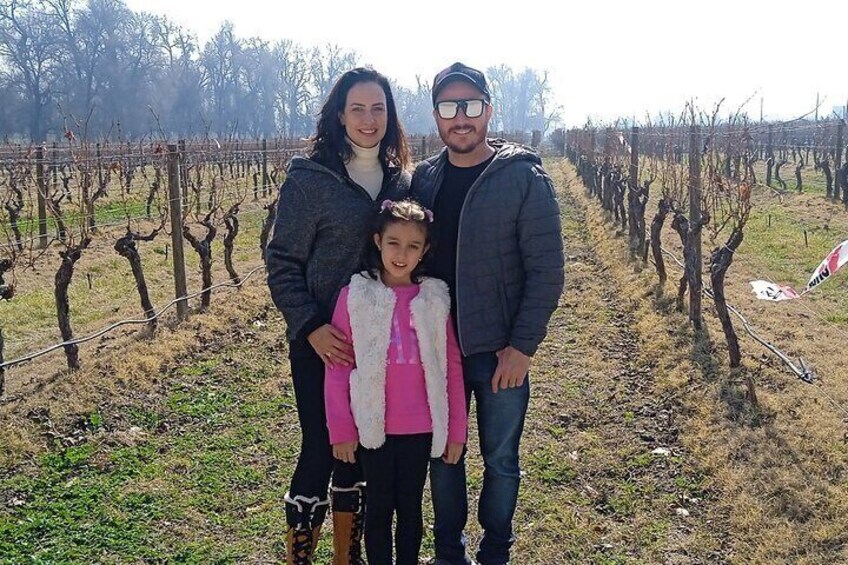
[203, 247]
[295, 102]
[220, 60]
[729, 201]
[29, 48]
[415, 107]
[179, 96]
[523, 100]
[327, 65]
[261, 85]
[98, 57]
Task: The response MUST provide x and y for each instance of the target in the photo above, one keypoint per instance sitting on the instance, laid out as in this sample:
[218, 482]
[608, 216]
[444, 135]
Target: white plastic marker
[834, 261]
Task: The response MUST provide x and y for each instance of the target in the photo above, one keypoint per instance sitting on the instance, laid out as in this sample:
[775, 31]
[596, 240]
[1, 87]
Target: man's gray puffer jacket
[320, 235]
[510, 267]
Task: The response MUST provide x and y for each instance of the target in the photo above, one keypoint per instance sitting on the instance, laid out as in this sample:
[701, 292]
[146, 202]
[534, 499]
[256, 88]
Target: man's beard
[477, 137]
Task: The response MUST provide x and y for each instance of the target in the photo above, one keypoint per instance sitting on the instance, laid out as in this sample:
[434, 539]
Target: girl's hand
[332, 346]
[345, 452]
[452, 453]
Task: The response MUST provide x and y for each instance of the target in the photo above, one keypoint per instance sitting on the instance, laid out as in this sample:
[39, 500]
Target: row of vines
[703, 169]
[64, 202]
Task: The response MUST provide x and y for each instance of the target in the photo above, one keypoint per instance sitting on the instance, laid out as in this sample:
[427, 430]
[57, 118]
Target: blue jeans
[500, 422]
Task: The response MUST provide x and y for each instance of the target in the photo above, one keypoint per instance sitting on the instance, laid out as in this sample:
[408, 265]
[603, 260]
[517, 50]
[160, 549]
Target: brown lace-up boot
[348, 524]
[304, 516]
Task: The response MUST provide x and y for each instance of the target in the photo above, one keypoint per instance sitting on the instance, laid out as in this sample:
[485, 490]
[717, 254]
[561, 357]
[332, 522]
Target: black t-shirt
[446, 209]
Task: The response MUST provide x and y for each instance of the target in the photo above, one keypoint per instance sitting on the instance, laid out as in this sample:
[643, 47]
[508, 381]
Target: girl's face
[365, 117]
[402, 245]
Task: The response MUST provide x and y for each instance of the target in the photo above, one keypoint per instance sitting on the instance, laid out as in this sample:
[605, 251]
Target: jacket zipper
[471, 189]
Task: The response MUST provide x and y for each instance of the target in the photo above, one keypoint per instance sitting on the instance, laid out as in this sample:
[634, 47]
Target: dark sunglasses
[448, 109]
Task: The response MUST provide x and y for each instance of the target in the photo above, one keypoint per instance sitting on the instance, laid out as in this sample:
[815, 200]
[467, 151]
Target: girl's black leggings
[395, 474]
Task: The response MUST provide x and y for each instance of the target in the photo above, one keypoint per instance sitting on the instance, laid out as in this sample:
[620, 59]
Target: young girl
[403, 400]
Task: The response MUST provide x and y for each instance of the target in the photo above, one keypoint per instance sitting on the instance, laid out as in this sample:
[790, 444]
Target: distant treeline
[99, 66]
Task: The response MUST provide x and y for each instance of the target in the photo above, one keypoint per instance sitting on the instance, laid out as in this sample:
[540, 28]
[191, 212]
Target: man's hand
[453, 452]
[345, 452]
[512, 369]
[332, 346]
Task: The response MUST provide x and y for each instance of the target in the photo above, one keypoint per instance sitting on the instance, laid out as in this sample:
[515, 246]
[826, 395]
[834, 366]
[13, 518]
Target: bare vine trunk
[720, 261]
[6, 293]
[126, 247]
[680, 224]
[267, 225]
[63, 280]
[232, 224]
[656, 244]
[203, 247]
[828, 175]
[777, 176]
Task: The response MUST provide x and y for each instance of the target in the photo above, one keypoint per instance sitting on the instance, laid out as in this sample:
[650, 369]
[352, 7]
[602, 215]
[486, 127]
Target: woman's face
[365, 116]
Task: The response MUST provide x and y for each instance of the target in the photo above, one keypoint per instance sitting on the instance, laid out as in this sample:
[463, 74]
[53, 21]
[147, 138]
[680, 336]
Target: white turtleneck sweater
[364, 168]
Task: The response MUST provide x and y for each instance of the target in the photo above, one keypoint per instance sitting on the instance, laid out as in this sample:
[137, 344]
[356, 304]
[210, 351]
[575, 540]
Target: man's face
[462, 134]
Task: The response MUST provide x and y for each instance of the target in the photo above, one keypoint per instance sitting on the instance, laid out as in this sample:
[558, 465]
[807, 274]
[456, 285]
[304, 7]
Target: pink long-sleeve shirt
[407, 409]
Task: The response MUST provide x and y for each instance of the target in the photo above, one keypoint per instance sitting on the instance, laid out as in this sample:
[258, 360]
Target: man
[499, 248]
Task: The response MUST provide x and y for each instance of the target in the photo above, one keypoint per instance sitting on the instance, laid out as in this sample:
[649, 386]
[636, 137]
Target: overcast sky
[605, 59]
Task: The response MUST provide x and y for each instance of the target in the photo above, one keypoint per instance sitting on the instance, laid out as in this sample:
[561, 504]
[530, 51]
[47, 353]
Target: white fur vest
[371, 305]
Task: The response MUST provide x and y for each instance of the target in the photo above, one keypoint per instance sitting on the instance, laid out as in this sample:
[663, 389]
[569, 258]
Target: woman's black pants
[316, 462]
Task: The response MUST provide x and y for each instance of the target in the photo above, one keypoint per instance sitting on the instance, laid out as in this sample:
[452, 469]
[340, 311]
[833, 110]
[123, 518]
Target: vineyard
[102, 237]
[94, 227]
[675, 418]
[714, 181]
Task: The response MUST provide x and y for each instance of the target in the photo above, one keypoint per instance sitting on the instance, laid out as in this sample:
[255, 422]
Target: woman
[327, 204]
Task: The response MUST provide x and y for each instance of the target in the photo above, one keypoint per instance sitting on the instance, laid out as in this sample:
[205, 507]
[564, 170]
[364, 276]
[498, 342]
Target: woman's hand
[332, 346]
[453, 452]
[345, 452]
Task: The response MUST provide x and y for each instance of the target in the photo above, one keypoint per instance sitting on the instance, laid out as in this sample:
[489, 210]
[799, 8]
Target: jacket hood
[307, 165]
[514, 152]
[505, 152]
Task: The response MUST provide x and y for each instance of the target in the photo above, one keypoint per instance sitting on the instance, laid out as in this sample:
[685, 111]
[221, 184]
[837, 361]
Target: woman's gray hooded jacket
[320, 235]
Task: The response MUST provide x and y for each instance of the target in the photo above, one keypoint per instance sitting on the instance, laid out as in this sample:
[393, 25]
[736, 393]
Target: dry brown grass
[29, 319]
[780, 467]
[126, 367]
[620, 375]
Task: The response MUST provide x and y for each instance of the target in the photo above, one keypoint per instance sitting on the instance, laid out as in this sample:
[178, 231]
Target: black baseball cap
[458, 71]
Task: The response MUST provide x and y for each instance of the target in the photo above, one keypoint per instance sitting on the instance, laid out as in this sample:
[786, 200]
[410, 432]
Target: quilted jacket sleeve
[539, 235]
[287, 256]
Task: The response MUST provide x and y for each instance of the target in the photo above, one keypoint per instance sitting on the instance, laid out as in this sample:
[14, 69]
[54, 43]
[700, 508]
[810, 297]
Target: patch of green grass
[624, 499]
[550, 467]
[70, 511]
[641, 460]
[692, 485]
[94, 420]
[779, 243]
[143, 417]
[199, 368]
[68, 459]
[187, 491]
[654, 533]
